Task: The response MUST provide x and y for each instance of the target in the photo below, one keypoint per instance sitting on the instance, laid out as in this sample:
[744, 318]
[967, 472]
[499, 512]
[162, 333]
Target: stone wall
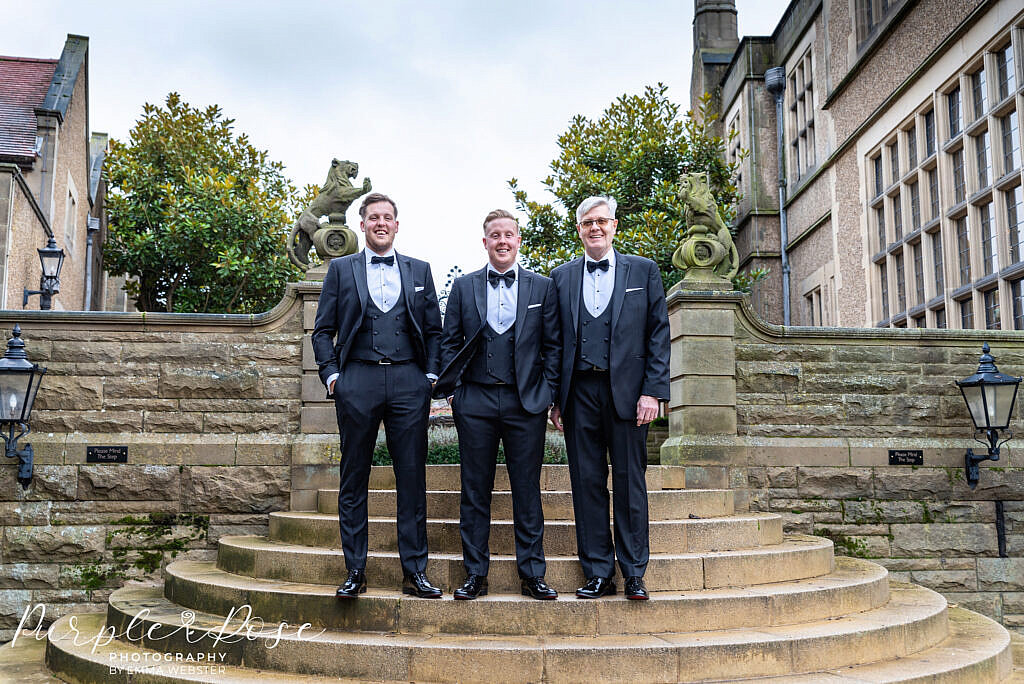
[208, 407]
[816, 411]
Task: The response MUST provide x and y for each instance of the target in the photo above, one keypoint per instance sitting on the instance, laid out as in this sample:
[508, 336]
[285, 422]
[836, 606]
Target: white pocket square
[420, 288]
[633, 289]
[534, 306]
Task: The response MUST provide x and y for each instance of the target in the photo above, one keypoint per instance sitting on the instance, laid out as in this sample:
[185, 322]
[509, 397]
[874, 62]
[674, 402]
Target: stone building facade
[50, 180]
[802, 421]
[902, 157]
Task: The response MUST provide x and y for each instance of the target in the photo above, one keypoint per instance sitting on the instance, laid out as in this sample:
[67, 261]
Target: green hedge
[443, 448]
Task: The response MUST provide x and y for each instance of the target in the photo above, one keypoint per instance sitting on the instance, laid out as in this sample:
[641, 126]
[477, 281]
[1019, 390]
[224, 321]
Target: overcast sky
[440, 102]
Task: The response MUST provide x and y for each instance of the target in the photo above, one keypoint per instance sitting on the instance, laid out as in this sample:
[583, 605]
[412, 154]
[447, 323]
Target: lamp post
[990, 396]
[19, 382]
[51, 258]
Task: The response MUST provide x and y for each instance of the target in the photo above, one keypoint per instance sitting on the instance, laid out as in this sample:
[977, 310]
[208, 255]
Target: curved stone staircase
[732, 598]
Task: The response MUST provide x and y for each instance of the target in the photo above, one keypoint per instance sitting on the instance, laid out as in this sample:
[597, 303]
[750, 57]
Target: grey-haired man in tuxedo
[615, 369]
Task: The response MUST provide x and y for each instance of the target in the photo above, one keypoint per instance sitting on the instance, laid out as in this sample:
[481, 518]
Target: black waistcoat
[494, 361]
[594, 338]
[383, 335]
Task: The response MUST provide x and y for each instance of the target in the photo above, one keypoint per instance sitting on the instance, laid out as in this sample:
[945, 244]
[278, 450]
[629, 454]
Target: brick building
[902, 157]
[50, 180]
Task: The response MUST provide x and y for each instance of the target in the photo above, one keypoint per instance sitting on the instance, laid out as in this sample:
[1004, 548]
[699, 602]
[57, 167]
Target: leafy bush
[443, 448]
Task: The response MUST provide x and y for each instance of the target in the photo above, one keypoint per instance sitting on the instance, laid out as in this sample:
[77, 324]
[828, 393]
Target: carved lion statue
[701, 216]
[335, 197]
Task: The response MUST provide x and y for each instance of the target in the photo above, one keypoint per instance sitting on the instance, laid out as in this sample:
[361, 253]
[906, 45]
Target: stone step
[975, 652]
[797, 557]
[667, 504]
[1017, 649]
[79, 663]
[855, 586]
[666, 536]
[913, 620]
[22, 660]
[552, 477]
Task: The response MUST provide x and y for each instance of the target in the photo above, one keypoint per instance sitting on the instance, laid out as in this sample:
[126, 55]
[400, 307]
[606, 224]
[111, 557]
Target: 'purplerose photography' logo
[205, 658]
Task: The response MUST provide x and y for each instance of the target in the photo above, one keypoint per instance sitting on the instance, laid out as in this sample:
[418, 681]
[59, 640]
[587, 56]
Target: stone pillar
[318, 416]
[702, 408]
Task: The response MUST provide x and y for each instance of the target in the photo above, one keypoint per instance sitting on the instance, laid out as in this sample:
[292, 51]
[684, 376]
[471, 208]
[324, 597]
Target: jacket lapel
[359, 275]
[408, 288]
[480, 295]
[576, 286]
[523, 301]
[619, 293]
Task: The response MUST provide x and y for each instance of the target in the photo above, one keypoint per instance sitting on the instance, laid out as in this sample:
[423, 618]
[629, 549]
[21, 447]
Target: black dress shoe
[596, 587]
[538, 589]
[355, 584]
[419, 586]
[633, 588]
[475, 585]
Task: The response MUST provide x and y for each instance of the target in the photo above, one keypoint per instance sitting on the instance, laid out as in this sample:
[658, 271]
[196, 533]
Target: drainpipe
[775, 82]
[92, 228]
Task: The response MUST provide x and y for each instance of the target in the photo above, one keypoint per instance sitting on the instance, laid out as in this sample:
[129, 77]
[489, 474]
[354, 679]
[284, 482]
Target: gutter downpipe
[775, 82]
[92, 227]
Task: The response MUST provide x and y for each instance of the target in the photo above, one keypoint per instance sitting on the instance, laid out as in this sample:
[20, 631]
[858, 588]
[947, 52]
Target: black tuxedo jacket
[343, 302]
[537, 344]
[640, 340]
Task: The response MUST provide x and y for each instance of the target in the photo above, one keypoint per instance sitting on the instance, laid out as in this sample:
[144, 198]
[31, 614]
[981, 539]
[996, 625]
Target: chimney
[715, 40]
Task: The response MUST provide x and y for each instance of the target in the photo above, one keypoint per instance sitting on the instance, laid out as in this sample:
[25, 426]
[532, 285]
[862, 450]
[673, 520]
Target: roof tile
[24, 82]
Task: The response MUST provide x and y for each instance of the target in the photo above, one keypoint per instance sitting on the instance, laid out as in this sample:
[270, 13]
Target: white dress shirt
[383, 282]
[598, 286]
[502, 301]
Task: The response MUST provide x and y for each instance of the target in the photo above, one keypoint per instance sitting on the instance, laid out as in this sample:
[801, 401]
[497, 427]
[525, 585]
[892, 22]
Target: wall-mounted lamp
[990, 396]
[19, 382]
[51, 258]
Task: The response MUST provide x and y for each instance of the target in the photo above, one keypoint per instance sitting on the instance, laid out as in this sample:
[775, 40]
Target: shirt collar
[369, 254]
[610, 256]
[515, 267]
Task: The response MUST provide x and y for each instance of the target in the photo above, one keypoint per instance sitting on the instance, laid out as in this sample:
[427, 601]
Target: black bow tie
[508, 276]
[594, 265]
[388, 260]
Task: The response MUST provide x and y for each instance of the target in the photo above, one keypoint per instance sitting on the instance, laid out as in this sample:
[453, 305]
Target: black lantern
[19, 382]
[51, 258]
[990, 396]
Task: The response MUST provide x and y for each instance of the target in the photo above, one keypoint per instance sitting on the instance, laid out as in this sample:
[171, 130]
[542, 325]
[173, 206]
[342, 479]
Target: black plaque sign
[107, 454]
[906, 457]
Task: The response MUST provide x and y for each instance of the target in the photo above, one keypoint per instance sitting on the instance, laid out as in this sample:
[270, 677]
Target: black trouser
[483, 415]
[592, 430]
[399, 395]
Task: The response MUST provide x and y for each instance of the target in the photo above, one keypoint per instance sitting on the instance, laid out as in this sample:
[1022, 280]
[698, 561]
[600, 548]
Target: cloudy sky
[440, 102]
